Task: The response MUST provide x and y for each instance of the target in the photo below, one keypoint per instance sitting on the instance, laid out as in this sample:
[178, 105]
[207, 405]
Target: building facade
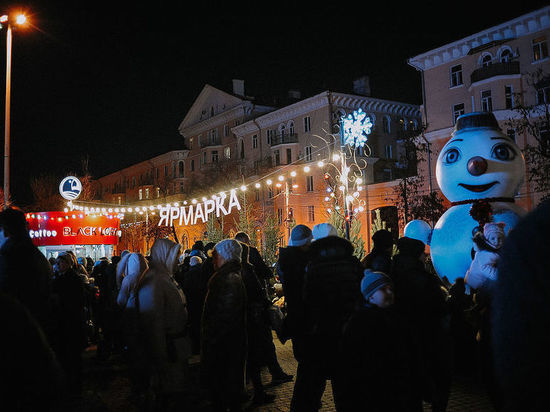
[498, 70]
[277, 158]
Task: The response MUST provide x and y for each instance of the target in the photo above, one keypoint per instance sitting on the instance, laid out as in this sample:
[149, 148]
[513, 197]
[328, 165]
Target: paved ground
[106, 388]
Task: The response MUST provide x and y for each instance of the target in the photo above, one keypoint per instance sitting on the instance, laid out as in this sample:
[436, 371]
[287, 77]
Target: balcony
[495, 69]
[207, 142]
[284, 139]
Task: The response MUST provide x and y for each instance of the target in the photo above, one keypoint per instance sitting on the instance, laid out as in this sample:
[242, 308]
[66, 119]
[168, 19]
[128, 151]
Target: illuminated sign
[61, 228]
[356, 127]
[190, 215]
[70, 188]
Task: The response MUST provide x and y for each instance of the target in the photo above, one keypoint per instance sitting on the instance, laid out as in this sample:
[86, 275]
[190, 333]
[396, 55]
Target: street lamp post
[19, 20]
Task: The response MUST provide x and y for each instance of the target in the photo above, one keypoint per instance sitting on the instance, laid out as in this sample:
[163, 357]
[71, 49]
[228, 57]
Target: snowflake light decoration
[356, 127]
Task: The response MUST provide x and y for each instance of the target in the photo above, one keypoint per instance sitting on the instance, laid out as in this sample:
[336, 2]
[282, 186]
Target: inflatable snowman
[479, 162]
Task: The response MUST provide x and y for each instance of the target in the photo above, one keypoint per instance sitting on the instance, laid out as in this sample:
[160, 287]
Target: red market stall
[86, 235]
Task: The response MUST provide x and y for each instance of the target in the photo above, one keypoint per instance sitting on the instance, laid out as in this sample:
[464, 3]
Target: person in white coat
[163, 319]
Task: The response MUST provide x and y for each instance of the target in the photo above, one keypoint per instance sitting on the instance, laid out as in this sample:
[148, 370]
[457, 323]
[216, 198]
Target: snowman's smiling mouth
[478, 188]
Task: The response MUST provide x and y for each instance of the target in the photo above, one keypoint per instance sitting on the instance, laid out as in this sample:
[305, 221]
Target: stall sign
[67, 228]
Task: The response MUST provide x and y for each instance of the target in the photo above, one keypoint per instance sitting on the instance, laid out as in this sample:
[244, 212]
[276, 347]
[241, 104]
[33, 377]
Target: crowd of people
[387, 332]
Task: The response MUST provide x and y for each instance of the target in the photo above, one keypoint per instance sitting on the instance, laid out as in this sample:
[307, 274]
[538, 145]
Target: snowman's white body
[503, 165]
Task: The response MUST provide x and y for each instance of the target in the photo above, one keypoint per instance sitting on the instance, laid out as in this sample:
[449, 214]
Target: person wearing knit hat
[300, 235]
[323, 230]
[377, 289]
[375, 368]
[494, 234]
[223, 337]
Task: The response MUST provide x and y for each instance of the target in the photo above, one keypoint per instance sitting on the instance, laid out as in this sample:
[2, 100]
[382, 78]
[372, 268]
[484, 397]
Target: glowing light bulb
[307, 169]
[321, 164]
[293, 173]
[281, 178]
[257, 185]
[243, 188]
[268, 181]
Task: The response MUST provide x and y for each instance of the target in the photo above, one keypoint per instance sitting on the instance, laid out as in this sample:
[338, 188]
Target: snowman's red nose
[477, 166]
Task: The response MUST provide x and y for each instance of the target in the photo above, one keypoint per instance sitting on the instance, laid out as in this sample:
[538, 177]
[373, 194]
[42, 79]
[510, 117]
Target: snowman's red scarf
[487, 199]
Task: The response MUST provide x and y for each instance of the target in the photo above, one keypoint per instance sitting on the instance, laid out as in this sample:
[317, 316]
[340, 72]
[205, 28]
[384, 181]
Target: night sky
[113, 82]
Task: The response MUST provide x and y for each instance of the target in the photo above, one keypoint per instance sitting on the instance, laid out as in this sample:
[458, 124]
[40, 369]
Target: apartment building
[492, 70]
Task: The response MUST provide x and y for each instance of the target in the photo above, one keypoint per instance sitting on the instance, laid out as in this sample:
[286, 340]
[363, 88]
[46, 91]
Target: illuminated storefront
[86, 235]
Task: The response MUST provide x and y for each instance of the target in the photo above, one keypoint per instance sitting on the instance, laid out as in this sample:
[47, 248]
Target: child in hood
[486, 246]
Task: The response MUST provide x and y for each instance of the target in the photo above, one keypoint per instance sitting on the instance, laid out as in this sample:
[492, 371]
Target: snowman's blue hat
[476, 120]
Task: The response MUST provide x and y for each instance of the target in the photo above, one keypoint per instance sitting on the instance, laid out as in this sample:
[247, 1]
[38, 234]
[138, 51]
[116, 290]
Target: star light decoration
[356, 127]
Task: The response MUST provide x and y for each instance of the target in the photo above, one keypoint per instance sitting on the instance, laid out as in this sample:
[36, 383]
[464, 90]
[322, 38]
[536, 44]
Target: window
[506, 56]
[192, 165]
[307, 124]
[509, 97]
[540, 48]
[543, 93]
[257, 195]
[140, 194]
[158, 192]
[270, 192]
[165, 170]
[282, 130]
[190, 143]
[214, 156]
[456, 75]
[133, 182]
[242, 149]
[227, 152]
[181, 187]
[255, 141]
[388, 151]
[270, 135]
[386, 124]
[486, 60]
[288, 156]
[277, 158]
[203, 158]
[309, 183]
[291, 128]
[180, 169]
[226, 130]
[458, 110]
[146, 193]
[309, 155]
[486, 101]
[311, 213]
[280, 216]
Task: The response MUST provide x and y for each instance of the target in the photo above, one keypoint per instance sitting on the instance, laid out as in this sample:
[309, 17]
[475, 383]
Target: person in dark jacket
[376, 363]
[31, 376]
[421, 300]
[69, 312]
[193, 289]
[520, 312]
[290, 269]
[223, 329]
[264, 274]
[379, 259]
[257, 328]
[25, 273]
[331, 292]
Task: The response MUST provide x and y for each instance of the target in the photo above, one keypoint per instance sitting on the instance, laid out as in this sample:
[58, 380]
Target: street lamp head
[20, 19]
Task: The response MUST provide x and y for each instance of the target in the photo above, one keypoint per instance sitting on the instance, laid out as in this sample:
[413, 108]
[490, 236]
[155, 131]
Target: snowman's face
[479, 164]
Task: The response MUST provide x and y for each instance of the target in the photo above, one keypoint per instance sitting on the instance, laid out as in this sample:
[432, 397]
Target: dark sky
[112, 82]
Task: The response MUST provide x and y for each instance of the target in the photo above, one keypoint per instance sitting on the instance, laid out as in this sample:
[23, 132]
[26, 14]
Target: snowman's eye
[451, 156]
[502, 151]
